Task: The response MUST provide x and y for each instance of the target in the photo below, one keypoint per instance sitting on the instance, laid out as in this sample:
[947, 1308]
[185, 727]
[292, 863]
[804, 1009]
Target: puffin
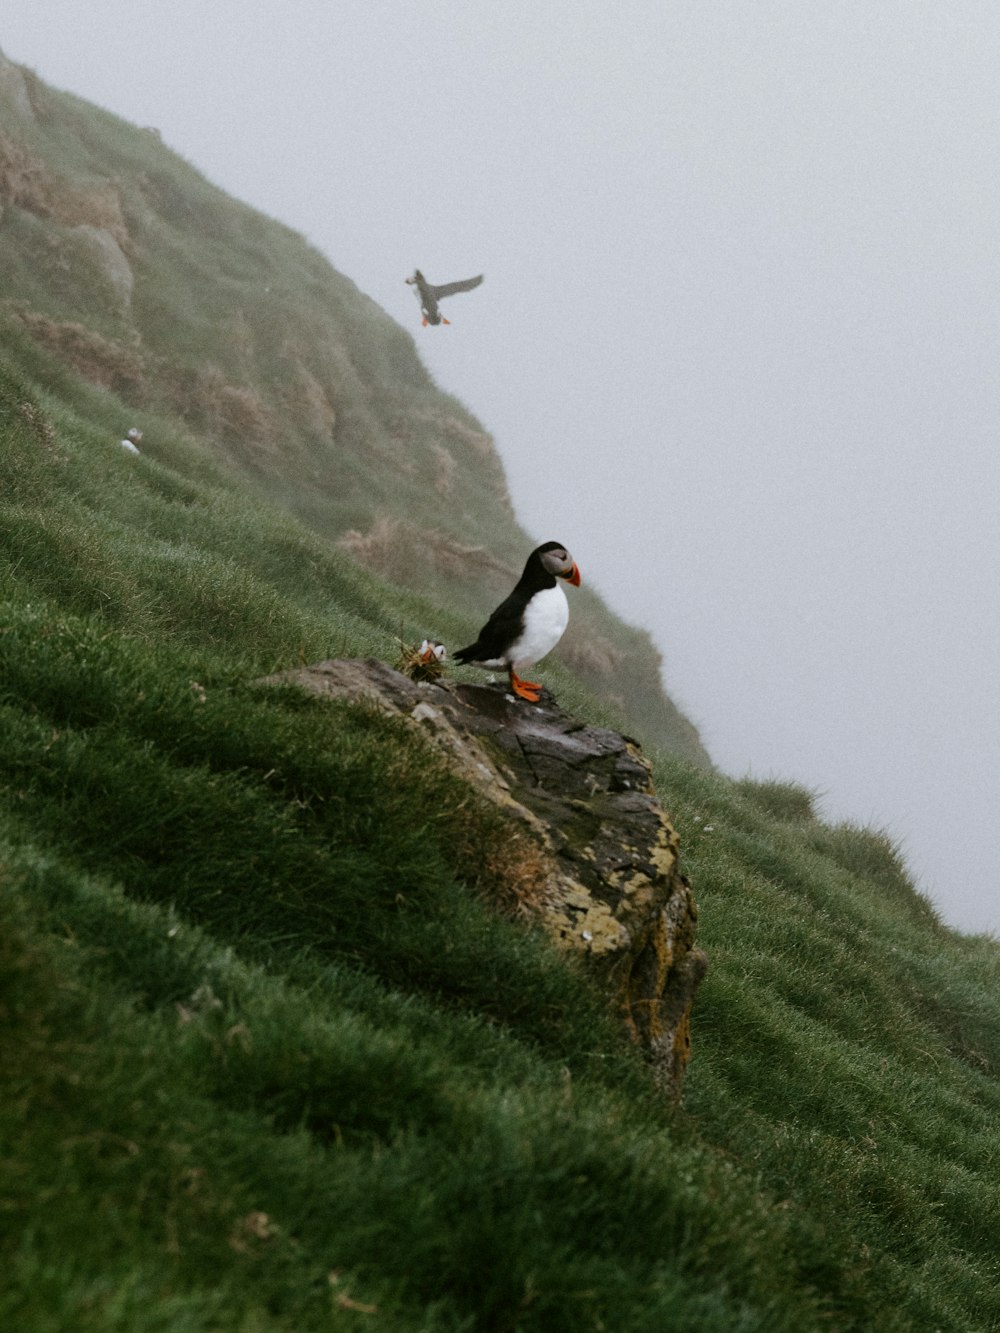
[530, 622]
[429, 295]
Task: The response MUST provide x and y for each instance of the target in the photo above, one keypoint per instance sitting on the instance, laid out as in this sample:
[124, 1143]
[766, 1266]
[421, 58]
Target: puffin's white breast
[545, 619]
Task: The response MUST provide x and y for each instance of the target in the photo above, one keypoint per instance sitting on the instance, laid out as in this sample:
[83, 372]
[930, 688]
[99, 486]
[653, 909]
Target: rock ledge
[609, 885]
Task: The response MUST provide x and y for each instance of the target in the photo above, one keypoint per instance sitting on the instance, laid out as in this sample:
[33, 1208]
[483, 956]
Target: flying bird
[429, 295]
[530, 622]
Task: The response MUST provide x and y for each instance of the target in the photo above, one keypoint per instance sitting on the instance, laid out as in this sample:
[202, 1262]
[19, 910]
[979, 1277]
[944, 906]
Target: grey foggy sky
[738, 341]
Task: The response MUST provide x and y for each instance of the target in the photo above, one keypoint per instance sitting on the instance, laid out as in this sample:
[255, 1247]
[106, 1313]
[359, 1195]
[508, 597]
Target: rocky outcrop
[606, 880]
[110, 259]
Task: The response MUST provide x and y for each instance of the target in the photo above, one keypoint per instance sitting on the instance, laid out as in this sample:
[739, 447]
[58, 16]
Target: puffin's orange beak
[573, 576]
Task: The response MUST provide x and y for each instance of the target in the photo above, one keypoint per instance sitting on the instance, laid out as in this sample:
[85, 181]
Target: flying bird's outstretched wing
[450, 288]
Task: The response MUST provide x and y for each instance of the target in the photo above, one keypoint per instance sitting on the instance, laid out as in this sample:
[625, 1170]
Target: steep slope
[272, 1054]
[198, 315]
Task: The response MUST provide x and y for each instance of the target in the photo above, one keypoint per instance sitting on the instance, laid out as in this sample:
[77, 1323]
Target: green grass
[271, 1058]
[258, 1135]
[259, 1023]
[849, 1044]
[264, 1023]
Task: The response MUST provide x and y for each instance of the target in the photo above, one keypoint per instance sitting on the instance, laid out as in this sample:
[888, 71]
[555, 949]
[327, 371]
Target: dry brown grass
[509, 868]
[27, 183]
[392, 548]
[100, 360]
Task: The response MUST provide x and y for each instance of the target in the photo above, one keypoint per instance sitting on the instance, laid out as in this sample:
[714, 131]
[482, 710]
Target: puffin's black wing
[450, 288]
[502, 629]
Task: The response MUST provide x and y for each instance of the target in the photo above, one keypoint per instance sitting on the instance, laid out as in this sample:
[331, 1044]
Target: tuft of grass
[779, 800]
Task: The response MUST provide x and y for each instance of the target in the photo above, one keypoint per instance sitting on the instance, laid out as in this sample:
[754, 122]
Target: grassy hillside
[270, 1059]
[240, 351]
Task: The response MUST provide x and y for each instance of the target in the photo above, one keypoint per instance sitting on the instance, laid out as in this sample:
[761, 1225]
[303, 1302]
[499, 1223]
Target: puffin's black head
[554, 559]
[417, 277]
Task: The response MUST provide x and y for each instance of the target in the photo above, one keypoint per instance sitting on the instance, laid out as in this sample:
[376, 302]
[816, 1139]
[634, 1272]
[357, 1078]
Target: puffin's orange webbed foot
[445, 321]
[525, 689]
